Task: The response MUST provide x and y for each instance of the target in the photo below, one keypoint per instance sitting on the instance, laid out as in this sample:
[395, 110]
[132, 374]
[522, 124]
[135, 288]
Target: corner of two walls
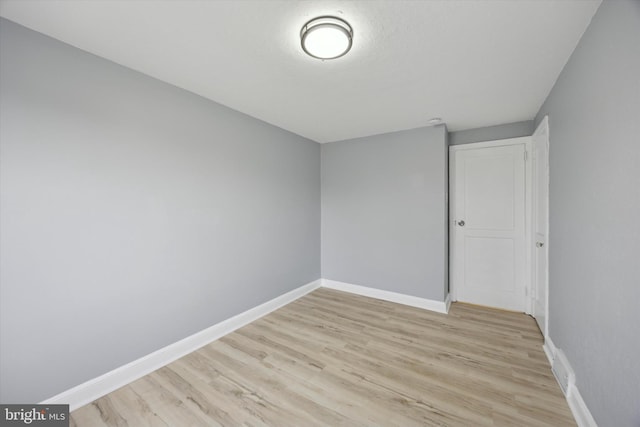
[385, 207]
[384, 212]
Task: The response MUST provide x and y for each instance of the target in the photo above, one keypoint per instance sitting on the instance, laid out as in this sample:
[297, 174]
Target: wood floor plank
[333, 358]
[167, 405]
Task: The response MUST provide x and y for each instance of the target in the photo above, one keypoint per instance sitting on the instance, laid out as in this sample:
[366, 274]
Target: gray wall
[384, 212]
[594, 122]
[490, 133]
[133, 214]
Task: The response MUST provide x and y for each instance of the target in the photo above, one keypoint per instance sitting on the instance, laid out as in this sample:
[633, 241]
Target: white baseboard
[579, 408]
[577, 405]
[549, 349]
[447, 303]
[93, 389]
[427, 304]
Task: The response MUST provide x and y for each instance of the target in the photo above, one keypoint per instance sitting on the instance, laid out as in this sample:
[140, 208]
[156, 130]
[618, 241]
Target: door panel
[489, 260]
[488, 254]
[489, 195]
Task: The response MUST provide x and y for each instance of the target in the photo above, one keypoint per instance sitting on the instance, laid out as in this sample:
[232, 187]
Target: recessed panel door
[488, 226]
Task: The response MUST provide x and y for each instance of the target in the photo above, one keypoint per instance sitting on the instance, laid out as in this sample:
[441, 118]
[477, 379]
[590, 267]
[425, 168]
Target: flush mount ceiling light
[326, 37]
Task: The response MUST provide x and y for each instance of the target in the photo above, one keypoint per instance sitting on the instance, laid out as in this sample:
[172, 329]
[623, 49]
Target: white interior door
[488, 225]
[540, 151]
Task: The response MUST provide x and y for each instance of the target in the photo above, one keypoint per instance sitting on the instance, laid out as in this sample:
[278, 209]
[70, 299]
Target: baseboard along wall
[566, 378]
[93, 389]
[427, 304]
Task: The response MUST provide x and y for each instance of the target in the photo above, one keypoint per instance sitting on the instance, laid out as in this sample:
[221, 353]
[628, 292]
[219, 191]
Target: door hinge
[526, 155]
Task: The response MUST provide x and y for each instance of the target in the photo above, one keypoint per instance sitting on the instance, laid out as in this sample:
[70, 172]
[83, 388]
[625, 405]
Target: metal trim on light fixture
[323, 22]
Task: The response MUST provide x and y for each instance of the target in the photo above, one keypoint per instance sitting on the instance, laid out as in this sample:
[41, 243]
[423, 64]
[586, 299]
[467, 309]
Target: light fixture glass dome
[326, 37]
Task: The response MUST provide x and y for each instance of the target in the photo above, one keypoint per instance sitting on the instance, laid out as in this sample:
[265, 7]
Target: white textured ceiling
[472, 63]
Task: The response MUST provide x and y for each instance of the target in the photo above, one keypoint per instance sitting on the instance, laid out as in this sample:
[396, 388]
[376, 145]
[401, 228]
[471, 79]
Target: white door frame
[526, 141]
[543, 129]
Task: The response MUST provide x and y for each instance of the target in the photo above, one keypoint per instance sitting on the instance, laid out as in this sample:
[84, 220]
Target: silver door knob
[539, 244]
[461, 223]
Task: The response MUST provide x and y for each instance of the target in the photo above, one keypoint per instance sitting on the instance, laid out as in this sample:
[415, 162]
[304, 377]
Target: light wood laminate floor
[332, 358]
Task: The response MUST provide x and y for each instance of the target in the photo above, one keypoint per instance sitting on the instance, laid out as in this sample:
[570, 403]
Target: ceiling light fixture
[326, 37]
